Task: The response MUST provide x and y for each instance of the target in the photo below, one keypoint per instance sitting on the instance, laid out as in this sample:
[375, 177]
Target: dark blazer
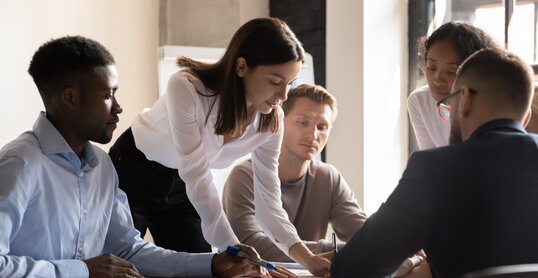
[469, 206]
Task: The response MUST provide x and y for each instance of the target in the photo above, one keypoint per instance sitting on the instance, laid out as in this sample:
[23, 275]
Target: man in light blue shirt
[61, 212]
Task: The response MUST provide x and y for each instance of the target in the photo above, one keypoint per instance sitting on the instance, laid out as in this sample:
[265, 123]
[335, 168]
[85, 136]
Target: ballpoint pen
[335, 249]
[235, 251]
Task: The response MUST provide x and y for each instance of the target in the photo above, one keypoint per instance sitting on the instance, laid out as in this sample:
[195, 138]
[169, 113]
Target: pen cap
[232, 250]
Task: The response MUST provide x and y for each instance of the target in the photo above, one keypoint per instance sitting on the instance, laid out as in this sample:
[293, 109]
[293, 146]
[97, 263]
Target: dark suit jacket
[469, 206]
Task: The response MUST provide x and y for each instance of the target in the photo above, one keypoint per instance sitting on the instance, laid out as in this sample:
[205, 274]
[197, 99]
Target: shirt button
[81, 174]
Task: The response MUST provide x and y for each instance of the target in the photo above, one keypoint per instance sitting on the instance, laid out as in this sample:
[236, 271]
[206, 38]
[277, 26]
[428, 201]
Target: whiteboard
[167, 66]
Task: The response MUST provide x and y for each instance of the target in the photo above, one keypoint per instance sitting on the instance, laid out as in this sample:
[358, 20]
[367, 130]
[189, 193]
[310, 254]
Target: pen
[335, 249]
[235, 251]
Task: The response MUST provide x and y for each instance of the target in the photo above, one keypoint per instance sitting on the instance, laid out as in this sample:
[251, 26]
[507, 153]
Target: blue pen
[235, 251]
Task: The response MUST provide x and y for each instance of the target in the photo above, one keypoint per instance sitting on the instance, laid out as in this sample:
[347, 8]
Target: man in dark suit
[472, 204]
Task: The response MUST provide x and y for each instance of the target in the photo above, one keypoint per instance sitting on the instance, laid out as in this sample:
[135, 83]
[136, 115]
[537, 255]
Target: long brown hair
[261, 41]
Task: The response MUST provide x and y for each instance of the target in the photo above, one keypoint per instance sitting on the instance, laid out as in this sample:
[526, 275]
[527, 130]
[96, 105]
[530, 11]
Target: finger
[126, 266]
[125, 275]
[130, 271]
[327, 255]
[286, 271]
[253, 271]
[121, 262]
[249, 250]
[277, 274]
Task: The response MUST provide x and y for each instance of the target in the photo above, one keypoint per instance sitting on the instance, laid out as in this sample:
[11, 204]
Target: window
[518, 34]
[513, 23]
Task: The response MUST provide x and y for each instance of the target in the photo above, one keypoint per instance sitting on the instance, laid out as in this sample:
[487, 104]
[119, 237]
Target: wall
[367, 71]
[366, 68]
[345, 79]
[307, 19]
[128, 28]
[209, 23]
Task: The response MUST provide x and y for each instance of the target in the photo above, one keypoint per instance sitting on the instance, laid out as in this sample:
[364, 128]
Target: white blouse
[430, 130]
[174, 133]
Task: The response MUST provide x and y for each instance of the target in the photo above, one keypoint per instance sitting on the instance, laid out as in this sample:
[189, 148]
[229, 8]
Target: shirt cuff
[231, 242]
[71, 268]
[289, 243]
[199, 265]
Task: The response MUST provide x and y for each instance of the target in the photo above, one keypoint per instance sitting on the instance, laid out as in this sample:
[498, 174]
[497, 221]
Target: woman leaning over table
[211, 115]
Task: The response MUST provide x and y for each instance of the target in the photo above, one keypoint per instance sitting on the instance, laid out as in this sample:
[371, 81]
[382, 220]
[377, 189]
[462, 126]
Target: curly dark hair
[58, 61]
[466, 39]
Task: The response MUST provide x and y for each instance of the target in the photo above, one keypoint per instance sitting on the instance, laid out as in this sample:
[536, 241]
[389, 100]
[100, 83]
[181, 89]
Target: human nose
[282, 94]
[438, 78]
[116, 107]
[313, 132]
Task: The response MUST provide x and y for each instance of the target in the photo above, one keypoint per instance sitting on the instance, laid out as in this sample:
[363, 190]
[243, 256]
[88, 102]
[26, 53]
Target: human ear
[466, 101]
[69, 97]
[527, 118]
[240, 66]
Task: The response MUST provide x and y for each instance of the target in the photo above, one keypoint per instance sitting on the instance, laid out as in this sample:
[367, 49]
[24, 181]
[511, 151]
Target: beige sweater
[320, 198]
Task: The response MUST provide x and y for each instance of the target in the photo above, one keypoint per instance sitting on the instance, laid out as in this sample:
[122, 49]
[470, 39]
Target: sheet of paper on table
[295, 268]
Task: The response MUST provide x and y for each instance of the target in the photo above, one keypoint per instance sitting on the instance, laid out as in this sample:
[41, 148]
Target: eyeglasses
[443, 108]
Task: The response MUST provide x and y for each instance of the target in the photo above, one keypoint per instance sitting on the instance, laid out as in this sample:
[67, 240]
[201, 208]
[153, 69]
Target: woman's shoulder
[187, 78]
[420, 92]
[419, 97]
[182, 80]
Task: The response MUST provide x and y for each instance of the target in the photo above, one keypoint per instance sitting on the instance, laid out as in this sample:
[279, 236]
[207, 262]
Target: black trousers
[157, 199]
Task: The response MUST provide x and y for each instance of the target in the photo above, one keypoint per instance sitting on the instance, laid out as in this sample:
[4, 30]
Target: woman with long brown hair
[211, 115]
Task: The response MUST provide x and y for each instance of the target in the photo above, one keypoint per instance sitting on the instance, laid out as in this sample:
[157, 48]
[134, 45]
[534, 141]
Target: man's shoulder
[25, 146]
[239, 185]
[318, 167]
[244, 167]
[435, 154]
[324, 173]
[240, 176]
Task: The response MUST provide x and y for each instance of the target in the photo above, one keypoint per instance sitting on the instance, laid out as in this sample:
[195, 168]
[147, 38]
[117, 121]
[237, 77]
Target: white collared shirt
[430, 130]
[175, 134]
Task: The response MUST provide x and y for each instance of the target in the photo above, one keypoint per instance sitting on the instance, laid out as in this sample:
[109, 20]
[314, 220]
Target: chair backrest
[507, 271]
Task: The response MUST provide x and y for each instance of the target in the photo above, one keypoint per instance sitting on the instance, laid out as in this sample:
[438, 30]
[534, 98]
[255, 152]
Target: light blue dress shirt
[57, 209]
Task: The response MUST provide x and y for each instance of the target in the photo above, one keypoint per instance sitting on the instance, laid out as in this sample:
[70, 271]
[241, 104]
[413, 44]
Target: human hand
[318, 265]
[282, 272]
[420, 271]
[327, 255]
[408, 265]
[226, 265]
[108, 265]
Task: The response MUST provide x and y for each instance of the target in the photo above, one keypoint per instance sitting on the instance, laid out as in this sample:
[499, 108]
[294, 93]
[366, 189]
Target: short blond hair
[316, 93]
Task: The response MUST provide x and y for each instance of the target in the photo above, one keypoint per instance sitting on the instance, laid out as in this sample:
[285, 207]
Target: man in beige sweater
[314, 193]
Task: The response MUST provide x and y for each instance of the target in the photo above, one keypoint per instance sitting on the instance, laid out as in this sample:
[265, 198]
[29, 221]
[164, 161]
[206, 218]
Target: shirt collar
[499, 124]
[52, 141]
